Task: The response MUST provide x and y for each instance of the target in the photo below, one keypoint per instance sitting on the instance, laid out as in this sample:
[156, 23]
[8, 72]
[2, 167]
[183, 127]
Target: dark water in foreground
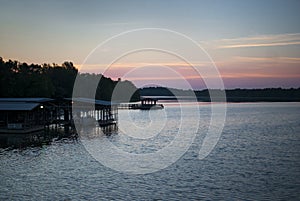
[256, 158]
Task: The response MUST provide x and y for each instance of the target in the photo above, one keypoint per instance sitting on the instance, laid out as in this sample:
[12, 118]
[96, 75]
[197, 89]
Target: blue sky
[244, 38]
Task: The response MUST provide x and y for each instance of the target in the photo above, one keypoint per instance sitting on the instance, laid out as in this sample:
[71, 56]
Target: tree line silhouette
[232, 95]
[57, 81]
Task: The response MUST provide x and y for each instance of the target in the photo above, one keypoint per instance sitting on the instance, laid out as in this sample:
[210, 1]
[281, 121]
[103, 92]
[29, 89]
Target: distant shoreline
[230, 99]
[232, 95]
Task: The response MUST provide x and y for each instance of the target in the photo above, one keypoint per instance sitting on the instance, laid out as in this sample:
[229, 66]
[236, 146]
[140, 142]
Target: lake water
[257, 157]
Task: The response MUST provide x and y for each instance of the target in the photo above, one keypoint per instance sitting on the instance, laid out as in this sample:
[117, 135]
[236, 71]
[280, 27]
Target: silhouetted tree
[55, 81]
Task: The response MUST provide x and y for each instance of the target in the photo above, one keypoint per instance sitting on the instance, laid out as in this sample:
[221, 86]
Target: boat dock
[28, 121]
[145, 104]
[27, 115]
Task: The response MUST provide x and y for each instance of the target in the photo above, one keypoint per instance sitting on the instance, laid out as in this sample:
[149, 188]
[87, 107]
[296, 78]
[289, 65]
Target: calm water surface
[256, 158]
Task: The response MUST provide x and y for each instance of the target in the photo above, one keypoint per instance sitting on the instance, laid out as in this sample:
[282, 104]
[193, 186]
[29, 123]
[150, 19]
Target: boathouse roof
[21, 104]
[31, 100]
[92, 101]
[17, 106]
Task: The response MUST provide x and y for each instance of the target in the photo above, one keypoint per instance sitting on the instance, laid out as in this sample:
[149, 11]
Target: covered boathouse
[88, 111]
[23, 120]
[150, 104]
[25, 115]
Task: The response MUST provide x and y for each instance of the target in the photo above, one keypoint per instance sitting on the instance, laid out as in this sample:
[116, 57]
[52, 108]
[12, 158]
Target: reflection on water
[37, 138]
[48, 135]
[256, 158]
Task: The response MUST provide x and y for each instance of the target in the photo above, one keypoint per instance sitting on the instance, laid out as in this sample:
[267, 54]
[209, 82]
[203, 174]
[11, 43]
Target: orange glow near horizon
[271, 67]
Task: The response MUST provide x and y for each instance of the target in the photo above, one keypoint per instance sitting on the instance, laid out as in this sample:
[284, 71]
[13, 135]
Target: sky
[250, 44]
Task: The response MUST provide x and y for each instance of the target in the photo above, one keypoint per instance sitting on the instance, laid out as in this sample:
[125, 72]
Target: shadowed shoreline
[232, 95]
